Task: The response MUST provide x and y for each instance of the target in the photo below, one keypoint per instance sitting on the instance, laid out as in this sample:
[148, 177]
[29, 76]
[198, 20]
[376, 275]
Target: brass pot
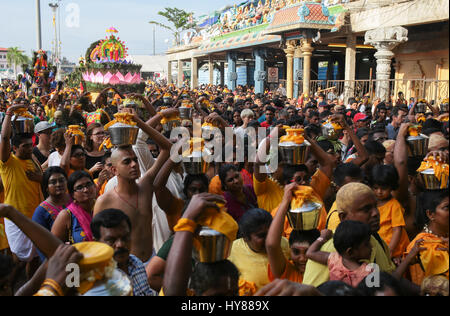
[214, 246]
[306, 217]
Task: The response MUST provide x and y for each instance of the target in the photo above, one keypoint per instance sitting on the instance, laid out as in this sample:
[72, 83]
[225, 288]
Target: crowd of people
[64, 185]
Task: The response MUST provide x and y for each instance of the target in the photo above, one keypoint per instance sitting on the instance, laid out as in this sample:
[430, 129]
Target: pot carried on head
[434, 174]
[123, 130]
[417, 143]
[196, 164]
[23, 122]
[293, 147]
[305, 210]
[75, 130]
[186, 110]
[332, 130]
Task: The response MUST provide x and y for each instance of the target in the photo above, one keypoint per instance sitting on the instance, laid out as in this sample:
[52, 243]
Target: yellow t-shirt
[333, 219]
[433, 260]
[317, 274]
[391, 215]
[269, 194]
[3, 240]
[253, 267]
[20, 192]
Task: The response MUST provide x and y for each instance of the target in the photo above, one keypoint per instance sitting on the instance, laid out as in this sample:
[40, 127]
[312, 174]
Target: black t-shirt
[91, 161]
[39, 156]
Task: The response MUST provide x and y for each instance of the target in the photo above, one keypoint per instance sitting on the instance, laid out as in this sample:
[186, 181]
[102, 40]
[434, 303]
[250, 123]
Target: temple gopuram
[352, 48]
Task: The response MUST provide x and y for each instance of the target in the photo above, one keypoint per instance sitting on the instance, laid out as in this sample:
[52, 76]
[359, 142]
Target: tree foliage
[180, 19]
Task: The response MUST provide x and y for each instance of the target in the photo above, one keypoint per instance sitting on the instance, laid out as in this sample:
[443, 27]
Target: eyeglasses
[56, 181]
[82, 187]
[100, 134]
[79, 155]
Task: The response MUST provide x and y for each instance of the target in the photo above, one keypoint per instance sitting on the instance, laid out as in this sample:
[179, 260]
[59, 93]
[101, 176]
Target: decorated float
[105, 65]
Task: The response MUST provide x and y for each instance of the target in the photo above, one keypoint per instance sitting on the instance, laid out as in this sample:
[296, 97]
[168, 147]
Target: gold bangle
[185, 225]
[45, 291]
[54, 286]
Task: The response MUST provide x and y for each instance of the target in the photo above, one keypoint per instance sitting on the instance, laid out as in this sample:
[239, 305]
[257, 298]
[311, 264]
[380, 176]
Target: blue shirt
[392, 131]
[138, 277]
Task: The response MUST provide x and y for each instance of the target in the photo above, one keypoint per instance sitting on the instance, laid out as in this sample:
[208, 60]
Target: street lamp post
[57, 48]
[38, 24]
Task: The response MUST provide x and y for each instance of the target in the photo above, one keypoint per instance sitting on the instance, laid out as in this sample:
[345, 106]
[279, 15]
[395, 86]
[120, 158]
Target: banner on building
[272, 75]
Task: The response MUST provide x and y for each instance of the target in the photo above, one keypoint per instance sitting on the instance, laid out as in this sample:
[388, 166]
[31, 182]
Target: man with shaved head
[134, 197]
[356, 202]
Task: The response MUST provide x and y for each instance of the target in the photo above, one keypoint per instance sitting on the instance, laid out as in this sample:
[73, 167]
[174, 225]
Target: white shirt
[54, 159]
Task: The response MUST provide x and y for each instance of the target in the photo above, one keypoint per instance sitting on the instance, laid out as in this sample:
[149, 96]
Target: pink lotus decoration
[112, 78]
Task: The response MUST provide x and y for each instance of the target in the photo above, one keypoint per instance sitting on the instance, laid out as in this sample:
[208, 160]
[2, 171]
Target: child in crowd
[352, 243]
[384, 180]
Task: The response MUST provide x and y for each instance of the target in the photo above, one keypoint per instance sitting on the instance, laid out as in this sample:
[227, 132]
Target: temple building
[351, 48]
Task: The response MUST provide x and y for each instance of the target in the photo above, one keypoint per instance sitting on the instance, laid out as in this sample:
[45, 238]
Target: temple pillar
[350, 68]
[222, 74]
[169, 72]
[298, 70]
[385, 40]
[290, 50]
[211, 70]
[180, 74]
[194, 73]
[232, 75]
[307, 50]
[260, 73]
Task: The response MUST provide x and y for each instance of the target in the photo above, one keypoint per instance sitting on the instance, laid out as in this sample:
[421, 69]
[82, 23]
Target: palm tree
[15, 56]
[180, 19]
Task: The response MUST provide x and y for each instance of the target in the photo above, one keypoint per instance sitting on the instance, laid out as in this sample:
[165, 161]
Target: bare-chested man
[135, 198]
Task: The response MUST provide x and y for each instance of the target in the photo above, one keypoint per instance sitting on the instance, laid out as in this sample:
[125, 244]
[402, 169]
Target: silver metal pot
[167, 127]
[214, 246]
[444, 107]
[123, 135]
[23, 125]
[294, 154]
[430, 181]
[418, 145]
[196, 164]
[329, 132]
[420, 108]
[186, 113]
[306, 217]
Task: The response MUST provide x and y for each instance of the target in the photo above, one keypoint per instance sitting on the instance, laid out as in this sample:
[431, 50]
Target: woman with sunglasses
[72, 225]
[74, 157]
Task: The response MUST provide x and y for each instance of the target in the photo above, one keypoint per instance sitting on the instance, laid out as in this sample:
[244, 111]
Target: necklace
[429, 231]
[137, 200]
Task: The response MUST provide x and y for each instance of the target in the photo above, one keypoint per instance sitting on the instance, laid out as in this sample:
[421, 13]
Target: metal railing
[428, 89]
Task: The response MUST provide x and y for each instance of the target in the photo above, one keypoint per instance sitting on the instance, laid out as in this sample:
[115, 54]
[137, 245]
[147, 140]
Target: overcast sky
[130, 18]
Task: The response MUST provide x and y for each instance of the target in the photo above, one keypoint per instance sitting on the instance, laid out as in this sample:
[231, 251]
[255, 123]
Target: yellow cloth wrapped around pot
[123, 118]
[196, 144]
[303, 194]
[294, 136]
[220, 221]
[415, 130]
[441, 170]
